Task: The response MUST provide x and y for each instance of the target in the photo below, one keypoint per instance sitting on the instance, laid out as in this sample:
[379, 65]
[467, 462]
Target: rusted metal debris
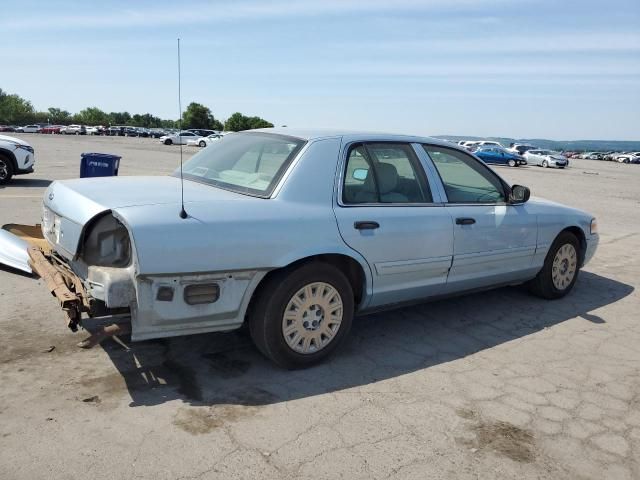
[105, 332]
[62, 283]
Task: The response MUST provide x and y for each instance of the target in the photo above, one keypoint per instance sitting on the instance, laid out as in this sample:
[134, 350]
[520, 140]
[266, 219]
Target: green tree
[238, 122]
[119, 118]
[57, 115]
[15, 109]
[197, 116]
[92, 116]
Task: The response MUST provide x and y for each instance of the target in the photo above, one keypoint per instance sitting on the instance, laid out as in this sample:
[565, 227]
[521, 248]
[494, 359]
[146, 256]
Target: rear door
[387, 212]
[494, 242]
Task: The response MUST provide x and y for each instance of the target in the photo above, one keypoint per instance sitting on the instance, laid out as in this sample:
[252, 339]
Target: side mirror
[360, 174]
[519, 194]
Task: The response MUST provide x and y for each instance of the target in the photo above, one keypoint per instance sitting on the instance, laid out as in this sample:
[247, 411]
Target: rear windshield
[250, 163]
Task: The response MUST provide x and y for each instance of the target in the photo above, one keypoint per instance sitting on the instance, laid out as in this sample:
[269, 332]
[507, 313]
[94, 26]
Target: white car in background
[74, 130]
[204, 141]
[631, 157]
[97, 130]
[546, 158]
[16, 158]
[32, 129]
[179, 138]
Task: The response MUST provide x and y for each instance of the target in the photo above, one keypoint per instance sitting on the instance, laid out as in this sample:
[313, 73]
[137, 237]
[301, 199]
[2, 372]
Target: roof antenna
[183, 212]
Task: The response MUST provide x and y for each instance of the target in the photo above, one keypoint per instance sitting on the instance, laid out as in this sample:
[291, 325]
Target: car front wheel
[168, 141]
[6, 171]
[202, 144]
[301, 316]
[545, 164]
[560, 270]
[512, 163]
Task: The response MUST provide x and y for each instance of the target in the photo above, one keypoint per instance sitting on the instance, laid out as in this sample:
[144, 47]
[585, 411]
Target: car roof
[353, 135]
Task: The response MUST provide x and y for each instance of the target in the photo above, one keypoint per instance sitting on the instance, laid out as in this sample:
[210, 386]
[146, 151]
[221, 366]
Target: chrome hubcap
[4, 171]
[564, 266]
[312, 318]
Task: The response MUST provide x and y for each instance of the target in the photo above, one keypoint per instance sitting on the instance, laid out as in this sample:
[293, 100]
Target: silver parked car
[546, 158]
[294, 232]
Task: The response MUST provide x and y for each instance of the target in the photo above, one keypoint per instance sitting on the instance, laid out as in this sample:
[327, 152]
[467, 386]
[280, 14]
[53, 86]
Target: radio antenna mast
[183, 212]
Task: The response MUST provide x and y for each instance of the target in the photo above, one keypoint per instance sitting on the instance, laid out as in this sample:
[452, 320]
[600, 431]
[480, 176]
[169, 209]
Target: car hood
[557, 157]
[13, 140]
[81, 199]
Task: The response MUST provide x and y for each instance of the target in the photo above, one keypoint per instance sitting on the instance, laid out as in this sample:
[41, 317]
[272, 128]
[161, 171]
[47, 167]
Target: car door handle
[366, 225]
[465, 221]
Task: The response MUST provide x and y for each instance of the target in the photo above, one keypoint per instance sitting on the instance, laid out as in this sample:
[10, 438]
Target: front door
[386, 212]
[494, 242]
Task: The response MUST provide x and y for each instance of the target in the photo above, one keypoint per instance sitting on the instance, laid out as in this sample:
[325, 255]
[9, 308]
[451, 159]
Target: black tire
[545, 164]
[202, 144]
[512, 163]
[543, 285]
[268, 308]
[6, 170]
[168, 141]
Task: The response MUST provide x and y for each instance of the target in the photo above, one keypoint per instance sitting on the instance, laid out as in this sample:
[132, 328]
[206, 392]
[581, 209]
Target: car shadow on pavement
[225, 368]
[27, 182]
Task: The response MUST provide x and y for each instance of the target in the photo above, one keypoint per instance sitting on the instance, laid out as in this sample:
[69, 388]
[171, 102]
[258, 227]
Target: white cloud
[183, 14]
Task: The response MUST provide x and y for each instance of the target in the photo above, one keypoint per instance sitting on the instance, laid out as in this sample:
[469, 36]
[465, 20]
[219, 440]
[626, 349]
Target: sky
[557, 69]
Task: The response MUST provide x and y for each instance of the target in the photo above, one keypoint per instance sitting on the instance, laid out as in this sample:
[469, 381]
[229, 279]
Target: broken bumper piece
[13, 251]
[62, 283]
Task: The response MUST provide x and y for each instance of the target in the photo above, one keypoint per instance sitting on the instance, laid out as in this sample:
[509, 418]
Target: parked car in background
[74, 130]
[6, 128]
[157, 132]
[93, 130]
[51, 129]
[17, 129]
[499, 156]
[204, 141]
[17, 157]
[31, 129]
[330, 209]
[202, 132]
[630, 157]
[546, 158]
[179, 138]
[519, 148]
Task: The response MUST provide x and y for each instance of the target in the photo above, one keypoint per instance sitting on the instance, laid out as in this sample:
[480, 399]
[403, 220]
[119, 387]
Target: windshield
[250, 163]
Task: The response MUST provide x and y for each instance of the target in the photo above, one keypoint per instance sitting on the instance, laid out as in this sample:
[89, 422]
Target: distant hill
[565, 145]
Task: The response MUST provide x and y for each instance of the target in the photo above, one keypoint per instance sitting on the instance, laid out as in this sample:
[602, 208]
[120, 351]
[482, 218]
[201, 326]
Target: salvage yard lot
[494, 385]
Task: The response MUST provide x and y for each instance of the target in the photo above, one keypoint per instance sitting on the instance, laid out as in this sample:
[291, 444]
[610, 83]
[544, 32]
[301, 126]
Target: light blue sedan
[294, 232]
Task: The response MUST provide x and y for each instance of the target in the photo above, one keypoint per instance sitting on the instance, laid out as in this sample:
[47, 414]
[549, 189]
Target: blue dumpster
[99, 165]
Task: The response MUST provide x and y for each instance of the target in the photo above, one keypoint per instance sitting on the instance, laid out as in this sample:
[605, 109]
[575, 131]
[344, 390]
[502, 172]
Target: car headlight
[594, 226]
[107, 243]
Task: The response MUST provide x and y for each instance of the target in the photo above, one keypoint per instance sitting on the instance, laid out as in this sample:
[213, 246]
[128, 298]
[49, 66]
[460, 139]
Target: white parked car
[204, 141]
[631, 157]
[94, 130]
[16, 158]
[32, 129]
[74, 130]
[180, 138]
[546, 158]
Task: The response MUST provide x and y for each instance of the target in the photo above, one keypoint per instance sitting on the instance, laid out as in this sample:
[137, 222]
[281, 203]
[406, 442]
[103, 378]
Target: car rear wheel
[168, 141]
[512, 163]
[560, 270]
[545, 164]
[6, 170]
[301, 316]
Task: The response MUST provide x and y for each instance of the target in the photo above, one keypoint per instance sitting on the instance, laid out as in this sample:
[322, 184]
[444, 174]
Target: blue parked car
[294, 232]
[499, 156]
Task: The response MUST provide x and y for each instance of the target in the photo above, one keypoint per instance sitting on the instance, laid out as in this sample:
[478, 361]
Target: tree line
[15, 110]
